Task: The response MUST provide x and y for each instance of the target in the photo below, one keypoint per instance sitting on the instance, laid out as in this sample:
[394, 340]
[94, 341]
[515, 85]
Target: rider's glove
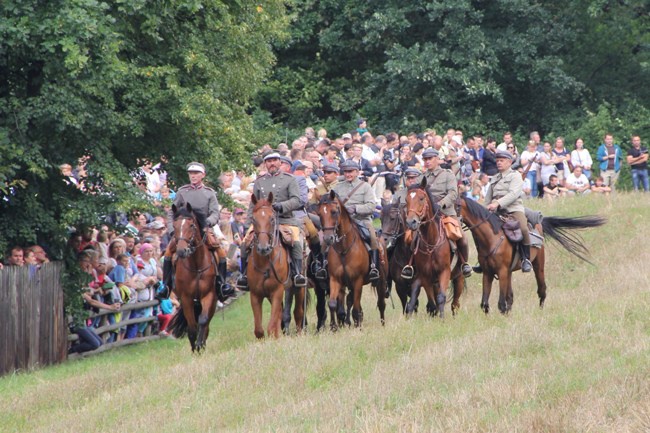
[277, 207]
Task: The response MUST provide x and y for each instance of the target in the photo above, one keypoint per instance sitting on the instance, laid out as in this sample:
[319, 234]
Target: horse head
[391, 223]
[418, 209]
[186, 231]
[265, 224]
[330, 211]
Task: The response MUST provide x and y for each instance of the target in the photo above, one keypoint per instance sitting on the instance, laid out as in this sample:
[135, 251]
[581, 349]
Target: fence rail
[33, 329]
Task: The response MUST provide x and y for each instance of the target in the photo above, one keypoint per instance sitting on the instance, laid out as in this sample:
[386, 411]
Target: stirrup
[526, 265]
[478, 269]
[299, 281]
[373, 275]
[467, 270]
[226, 291]
[242, 283]
[321, 274]
[407, 272]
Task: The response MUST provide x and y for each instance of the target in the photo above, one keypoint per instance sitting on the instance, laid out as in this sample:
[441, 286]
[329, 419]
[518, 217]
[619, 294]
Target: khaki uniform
[441, 183]
[364, 201]
[322, 189]
[203, 201]
[505, 189]
[285, 191]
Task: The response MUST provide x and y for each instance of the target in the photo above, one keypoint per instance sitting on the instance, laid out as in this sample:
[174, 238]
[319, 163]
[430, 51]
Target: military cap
[196, 166]
[429, 152]
[272, 155]
[504, 154]
[412, 172]
[349, 164]
[330, 167]
[286, 160]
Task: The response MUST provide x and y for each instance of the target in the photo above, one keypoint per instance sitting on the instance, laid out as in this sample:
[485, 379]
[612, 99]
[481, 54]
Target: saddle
[364, 233]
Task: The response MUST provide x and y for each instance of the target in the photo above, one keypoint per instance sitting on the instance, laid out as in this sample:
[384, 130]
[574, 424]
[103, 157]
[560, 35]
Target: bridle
[422, 213]
[192, 245]
[335, 229]
[272, 236]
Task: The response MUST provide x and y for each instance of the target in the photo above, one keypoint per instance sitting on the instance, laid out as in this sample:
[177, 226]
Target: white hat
[196, 166]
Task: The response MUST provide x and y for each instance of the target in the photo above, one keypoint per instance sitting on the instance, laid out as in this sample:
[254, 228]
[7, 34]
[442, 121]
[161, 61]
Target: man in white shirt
[577, 182]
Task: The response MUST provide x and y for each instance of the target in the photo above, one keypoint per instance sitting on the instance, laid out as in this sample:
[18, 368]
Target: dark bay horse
[498, 257]
[392, 232]
[269, 274]
[432, 254]
[195, 285]
[348, 261]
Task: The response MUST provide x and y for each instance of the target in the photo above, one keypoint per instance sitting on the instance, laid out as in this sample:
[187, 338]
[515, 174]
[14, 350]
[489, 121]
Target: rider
[301, 215]
[325, 184]
[286, 199]
[442, 185]
[504, 195]
[412, 176]
[359, 200]
[206, 208]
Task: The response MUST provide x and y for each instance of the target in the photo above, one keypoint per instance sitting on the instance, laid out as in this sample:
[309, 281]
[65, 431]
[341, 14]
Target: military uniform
[441, 183]
[203, 201]
[505, 189]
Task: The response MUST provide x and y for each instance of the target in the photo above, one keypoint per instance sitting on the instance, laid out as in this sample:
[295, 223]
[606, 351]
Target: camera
[388, 157]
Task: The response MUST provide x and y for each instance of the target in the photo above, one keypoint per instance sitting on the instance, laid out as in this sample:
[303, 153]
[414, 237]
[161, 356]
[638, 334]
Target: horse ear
[332, 194]
[174, 209]
[270, 197]
[423, 184]
[253, 199]
[188, 207]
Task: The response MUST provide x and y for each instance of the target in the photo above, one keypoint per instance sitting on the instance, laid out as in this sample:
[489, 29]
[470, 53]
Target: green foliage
[119, 81]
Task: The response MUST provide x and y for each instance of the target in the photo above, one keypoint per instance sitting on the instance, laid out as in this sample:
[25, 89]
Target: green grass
[580, 364]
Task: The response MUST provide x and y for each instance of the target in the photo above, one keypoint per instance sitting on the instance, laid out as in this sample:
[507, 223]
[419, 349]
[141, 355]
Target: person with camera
[637, 157]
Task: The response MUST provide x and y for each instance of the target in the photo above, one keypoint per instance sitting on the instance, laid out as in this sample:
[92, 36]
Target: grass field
[579, 365]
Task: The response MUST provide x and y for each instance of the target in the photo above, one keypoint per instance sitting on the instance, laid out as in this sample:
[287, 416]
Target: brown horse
[348, 261]
[432, 254]
[268, 273]
[195, 280]
[498, 257]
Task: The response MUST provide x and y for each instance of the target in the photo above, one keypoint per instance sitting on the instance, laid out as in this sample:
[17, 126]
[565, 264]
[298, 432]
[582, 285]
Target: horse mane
[434, 206]
[476, 209]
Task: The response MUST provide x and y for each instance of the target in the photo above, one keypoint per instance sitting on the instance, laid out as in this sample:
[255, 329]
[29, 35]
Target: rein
[275, 239]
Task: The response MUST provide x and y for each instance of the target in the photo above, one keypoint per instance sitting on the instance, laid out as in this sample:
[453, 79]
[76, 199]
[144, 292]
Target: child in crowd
[599, 186]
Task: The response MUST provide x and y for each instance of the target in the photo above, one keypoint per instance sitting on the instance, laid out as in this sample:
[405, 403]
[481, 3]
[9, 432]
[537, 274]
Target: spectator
[599, 186]
[489, 165]
[29, 258]
[41, 256]
[637, 157]
[609, 155]
[577, 182]
[548, 166]
[362, 126]
[562, 156]
[16, 257]
[553, 189]
[580, 157]
[168, 307]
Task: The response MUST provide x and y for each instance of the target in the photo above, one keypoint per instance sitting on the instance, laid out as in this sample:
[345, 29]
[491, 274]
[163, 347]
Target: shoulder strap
[345, 200]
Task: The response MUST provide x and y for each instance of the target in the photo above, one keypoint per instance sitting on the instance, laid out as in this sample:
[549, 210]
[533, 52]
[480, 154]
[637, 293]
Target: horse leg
[187, 304]
[381, 301]
[504, 278]
[335, 288]
[357, 311]
[459, 286]
[431, 289]
[488, 277]
[208, 306]
[299, 309]
[256, 304]
[415, 292]
[275, 322]
[286, 310]
[349, 302]
[321, 311]
[538, 267]
[441, 296]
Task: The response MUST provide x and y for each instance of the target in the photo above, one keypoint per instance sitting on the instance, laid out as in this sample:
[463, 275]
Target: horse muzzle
[184, 253]
[329, 239]
[264, 250]
[413, 223]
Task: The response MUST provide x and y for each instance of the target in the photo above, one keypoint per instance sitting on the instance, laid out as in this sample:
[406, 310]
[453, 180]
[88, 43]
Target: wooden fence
[33, 328]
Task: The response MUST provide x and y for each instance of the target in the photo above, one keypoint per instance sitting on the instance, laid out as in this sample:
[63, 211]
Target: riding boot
[320, 273]
[168, 278]
[373, 275]
[299, 279]
[224, 290]
[526, 265]
[242, 281]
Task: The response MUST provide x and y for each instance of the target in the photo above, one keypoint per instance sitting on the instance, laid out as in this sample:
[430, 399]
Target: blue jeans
[638, 176]
[532, 177]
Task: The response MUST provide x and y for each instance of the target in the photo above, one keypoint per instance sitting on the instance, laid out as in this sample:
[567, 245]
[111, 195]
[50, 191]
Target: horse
[348, 262]
[432, 253]
[269, 275]
[392, 232]
[498, 257]
[195, 280]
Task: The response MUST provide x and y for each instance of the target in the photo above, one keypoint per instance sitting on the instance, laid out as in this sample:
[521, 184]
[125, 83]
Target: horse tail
[559, 229]
[178, 325]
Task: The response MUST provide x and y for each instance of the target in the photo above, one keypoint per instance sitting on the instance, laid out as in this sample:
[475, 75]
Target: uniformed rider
[504, 195]
[286, 199]
[206, 208]
[443, 186]
[360, 203]
[325, 184]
